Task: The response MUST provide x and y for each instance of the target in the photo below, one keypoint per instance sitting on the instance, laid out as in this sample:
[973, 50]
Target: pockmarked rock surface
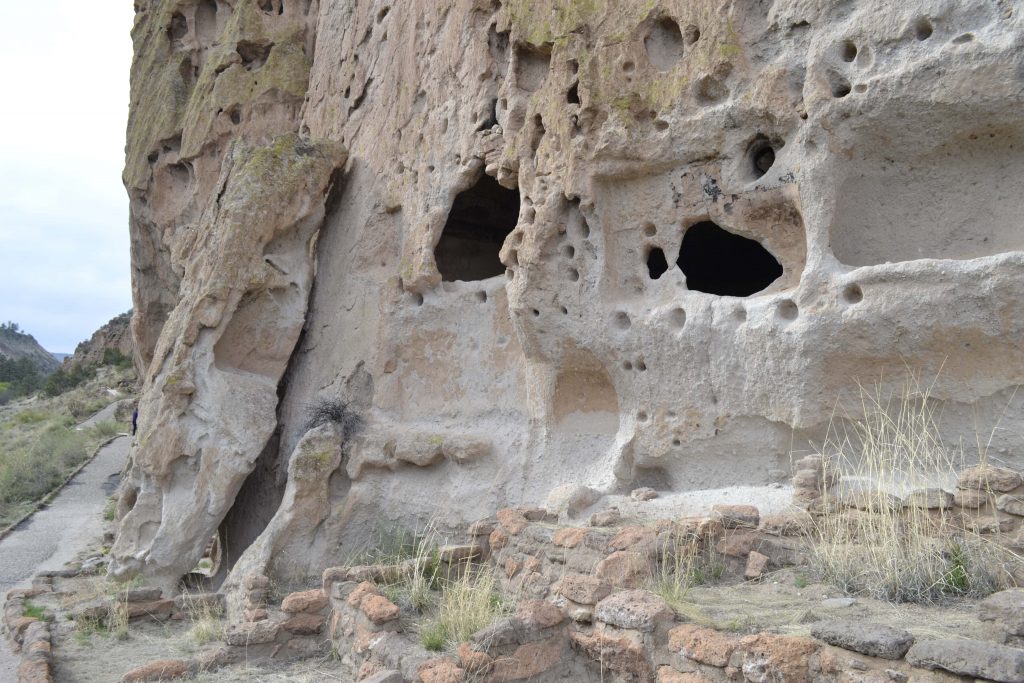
[874, 640]
[970, 658]
[613, 245]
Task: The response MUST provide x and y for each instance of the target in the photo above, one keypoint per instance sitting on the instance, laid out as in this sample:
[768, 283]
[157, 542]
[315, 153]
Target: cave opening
[478, 223]
[716, 261]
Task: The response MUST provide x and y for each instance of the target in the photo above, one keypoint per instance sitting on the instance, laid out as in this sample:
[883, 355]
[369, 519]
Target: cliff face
[114, 336]
[602, 243]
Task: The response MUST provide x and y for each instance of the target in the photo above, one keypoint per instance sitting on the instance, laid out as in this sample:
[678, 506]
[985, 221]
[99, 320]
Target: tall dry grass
[883, 548]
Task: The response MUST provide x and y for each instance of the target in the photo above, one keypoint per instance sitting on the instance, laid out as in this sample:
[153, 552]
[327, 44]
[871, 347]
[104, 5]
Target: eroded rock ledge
[610, 244]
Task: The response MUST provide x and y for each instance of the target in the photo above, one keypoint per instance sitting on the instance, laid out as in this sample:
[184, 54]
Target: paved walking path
[55, 534]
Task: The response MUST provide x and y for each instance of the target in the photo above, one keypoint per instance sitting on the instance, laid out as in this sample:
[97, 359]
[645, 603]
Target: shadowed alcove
[480, 220]
[719, 262]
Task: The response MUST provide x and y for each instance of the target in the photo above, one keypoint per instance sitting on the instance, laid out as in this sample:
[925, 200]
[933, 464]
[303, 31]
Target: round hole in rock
[657, 265]
[569, 251]
[628, 66]
[847, 51]
[573, 96]
[719, 262]
[627, 366]
[762, 156]
[691, 34]
[838, 84]
[536, 313]
[964, 38]
[739, 314]
[574, 275]
[481, 296]
[417, 299]
[860, 87]
[788, 310]
[923, 29]
[678, 318]
[650, 230]
[565, 311]
[478, 223]
[677, 442]
[660, 124]
[853, 294]
[641, 365]
[664, 44]
[622, 320]
[642, 416]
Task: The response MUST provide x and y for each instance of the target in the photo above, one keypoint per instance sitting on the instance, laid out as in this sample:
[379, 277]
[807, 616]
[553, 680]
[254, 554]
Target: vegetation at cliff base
[40, 445]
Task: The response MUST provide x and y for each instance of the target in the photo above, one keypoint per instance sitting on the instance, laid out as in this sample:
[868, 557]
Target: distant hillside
[108, 344]
[17, 345]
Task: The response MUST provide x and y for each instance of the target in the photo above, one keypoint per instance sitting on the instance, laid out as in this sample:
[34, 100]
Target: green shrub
[105, 429]
[433, 636]
[115, 358]
[64, 380]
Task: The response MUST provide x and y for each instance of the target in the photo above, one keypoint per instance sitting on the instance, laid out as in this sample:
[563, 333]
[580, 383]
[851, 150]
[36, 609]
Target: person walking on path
[135, 420]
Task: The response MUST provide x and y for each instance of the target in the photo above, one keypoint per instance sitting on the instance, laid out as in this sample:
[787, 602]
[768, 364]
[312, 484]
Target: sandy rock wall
[115, 336]
[603, 243]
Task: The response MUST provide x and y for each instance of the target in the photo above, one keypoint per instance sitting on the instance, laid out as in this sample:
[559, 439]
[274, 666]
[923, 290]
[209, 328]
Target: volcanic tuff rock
[609, 243]
[114, 336]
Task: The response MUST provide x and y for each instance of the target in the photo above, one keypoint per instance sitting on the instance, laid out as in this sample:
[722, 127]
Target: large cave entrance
[719, 262]
[480, 220]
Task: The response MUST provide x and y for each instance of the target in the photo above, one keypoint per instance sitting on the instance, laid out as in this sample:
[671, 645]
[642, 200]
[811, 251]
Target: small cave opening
[716, 261]
[657, 265]
[478, 223]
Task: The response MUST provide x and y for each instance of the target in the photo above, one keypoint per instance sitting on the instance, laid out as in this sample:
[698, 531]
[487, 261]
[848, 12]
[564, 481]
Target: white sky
[64, 262]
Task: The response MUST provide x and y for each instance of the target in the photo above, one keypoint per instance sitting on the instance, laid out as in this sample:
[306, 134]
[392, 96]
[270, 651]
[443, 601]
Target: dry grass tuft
[883, 549]
[684, 561]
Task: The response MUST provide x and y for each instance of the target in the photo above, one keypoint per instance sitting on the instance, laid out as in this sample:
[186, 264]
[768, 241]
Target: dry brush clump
[685, 559]
[872, 536]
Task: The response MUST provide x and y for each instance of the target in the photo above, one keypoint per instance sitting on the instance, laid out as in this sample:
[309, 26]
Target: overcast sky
[64, 264]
